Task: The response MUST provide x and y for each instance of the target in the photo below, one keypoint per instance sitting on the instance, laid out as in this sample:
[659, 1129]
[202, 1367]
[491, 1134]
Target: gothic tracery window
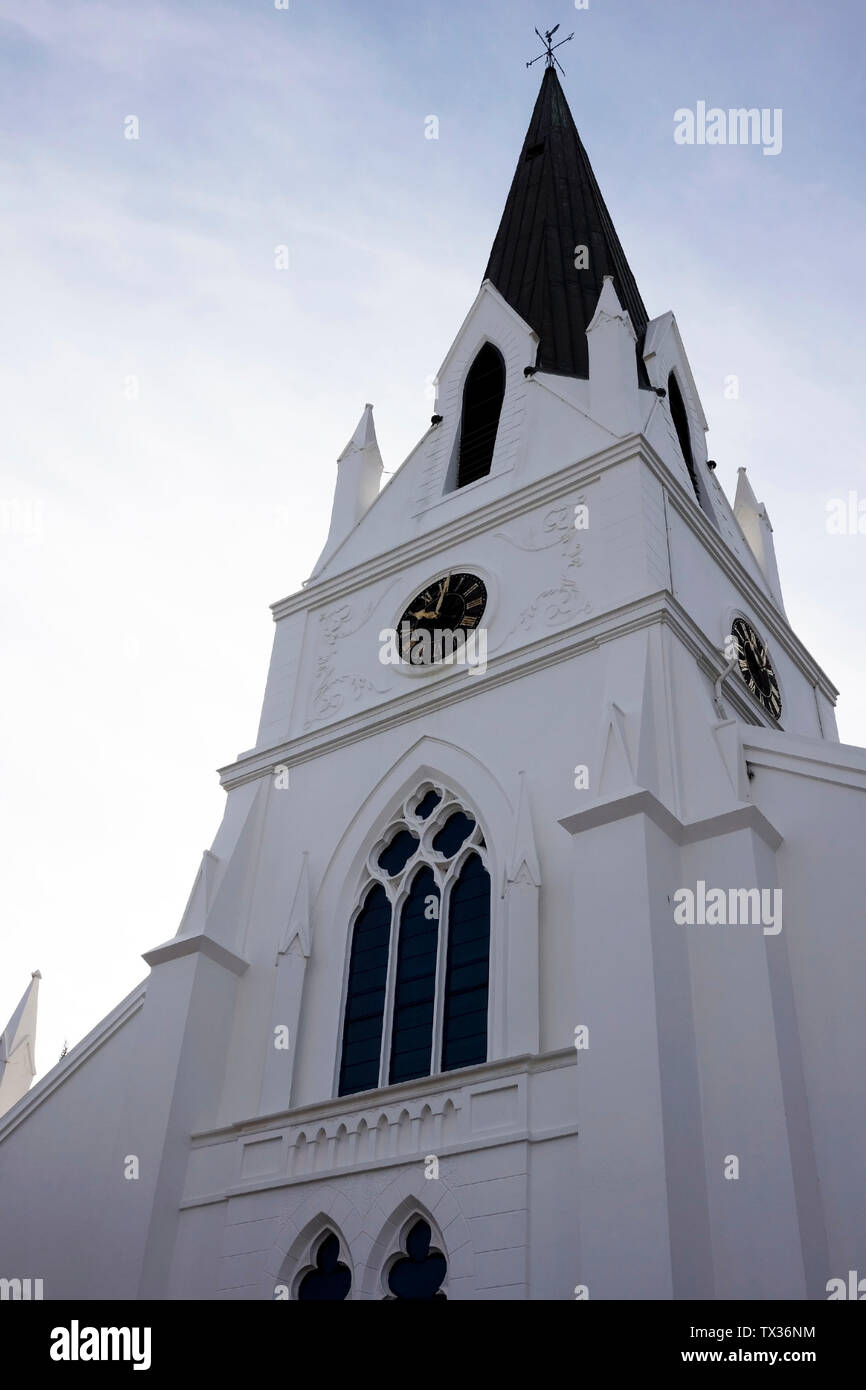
[419, 961]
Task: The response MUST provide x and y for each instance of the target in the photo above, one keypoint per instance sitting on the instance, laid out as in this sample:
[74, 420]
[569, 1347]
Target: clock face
[455, 603]
[755, 666]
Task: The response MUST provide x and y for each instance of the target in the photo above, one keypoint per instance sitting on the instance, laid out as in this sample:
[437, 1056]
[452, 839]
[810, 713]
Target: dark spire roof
[554, 205]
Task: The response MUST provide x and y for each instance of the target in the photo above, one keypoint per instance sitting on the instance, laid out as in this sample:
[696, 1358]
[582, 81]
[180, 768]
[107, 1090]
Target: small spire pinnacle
[364, 436]
[18, 1048]
[359, 473]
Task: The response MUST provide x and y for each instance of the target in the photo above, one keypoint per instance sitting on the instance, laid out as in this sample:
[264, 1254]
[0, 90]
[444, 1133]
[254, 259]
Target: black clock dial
[453, 603]
[755, 666]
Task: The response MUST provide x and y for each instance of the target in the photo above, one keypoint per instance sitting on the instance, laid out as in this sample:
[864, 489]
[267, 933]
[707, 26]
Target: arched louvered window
[479, 420]
[681, 425]
[417, 993]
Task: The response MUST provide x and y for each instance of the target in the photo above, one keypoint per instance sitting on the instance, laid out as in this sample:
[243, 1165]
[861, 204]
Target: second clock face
[455, 603]
[755, 667]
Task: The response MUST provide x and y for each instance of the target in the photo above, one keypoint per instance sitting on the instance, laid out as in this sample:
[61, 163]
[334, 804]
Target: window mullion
[442, 880]
[397, 901]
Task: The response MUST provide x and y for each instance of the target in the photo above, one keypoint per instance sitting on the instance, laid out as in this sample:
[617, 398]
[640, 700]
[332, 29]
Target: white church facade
[536, 972]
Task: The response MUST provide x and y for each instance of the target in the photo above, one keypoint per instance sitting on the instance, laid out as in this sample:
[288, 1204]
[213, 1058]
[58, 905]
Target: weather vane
[548, 49]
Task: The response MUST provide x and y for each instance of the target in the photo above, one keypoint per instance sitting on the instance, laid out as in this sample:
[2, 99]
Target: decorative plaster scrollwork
[331, 691]
[554, 606]
[556, 527]
[563, 602]
[336, 623]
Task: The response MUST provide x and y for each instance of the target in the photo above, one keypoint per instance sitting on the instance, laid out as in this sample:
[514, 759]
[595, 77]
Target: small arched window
[418, 1275]
[330, 1281]
[482, 404]
[429, 975]
[681, 425]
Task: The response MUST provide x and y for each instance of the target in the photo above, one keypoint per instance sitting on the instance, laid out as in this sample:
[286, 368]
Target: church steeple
[555, 205]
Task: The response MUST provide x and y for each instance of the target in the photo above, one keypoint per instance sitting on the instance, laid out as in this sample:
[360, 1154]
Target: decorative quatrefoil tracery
[433, 828]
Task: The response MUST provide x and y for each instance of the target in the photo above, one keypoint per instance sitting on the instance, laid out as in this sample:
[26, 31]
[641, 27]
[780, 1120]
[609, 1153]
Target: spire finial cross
[548, 49]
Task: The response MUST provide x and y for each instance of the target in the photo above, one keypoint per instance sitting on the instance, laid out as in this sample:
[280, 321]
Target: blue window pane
[398, 853]
[412, 1035]
[464, 1031]
[365, 997]
[452, 834]
[427, 805]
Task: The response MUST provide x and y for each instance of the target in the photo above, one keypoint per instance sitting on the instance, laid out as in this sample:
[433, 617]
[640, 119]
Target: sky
[173, 403]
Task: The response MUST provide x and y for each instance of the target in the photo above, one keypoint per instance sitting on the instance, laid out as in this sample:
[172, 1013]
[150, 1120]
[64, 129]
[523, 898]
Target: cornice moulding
[192, 945]
[545, 651]
[842, 764]
[489, 515]
[332, 1107]
[550, 490]
[569, 642]
[643, 802]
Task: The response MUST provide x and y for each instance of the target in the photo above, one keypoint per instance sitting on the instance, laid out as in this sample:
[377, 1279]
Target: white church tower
[532, 971]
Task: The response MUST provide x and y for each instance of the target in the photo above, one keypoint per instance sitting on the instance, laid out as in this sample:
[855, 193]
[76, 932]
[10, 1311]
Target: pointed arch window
[419, 961]
[483, 395]
[681, 425]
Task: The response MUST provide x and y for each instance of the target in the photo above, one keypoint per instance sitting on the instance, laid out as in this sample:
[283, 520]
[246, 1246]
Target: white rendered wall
[601, 1167]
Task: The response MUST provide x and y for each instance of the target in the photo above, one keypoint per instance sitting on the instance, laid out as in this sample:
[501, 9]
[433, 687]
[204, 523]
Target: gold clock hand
[442, 592]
